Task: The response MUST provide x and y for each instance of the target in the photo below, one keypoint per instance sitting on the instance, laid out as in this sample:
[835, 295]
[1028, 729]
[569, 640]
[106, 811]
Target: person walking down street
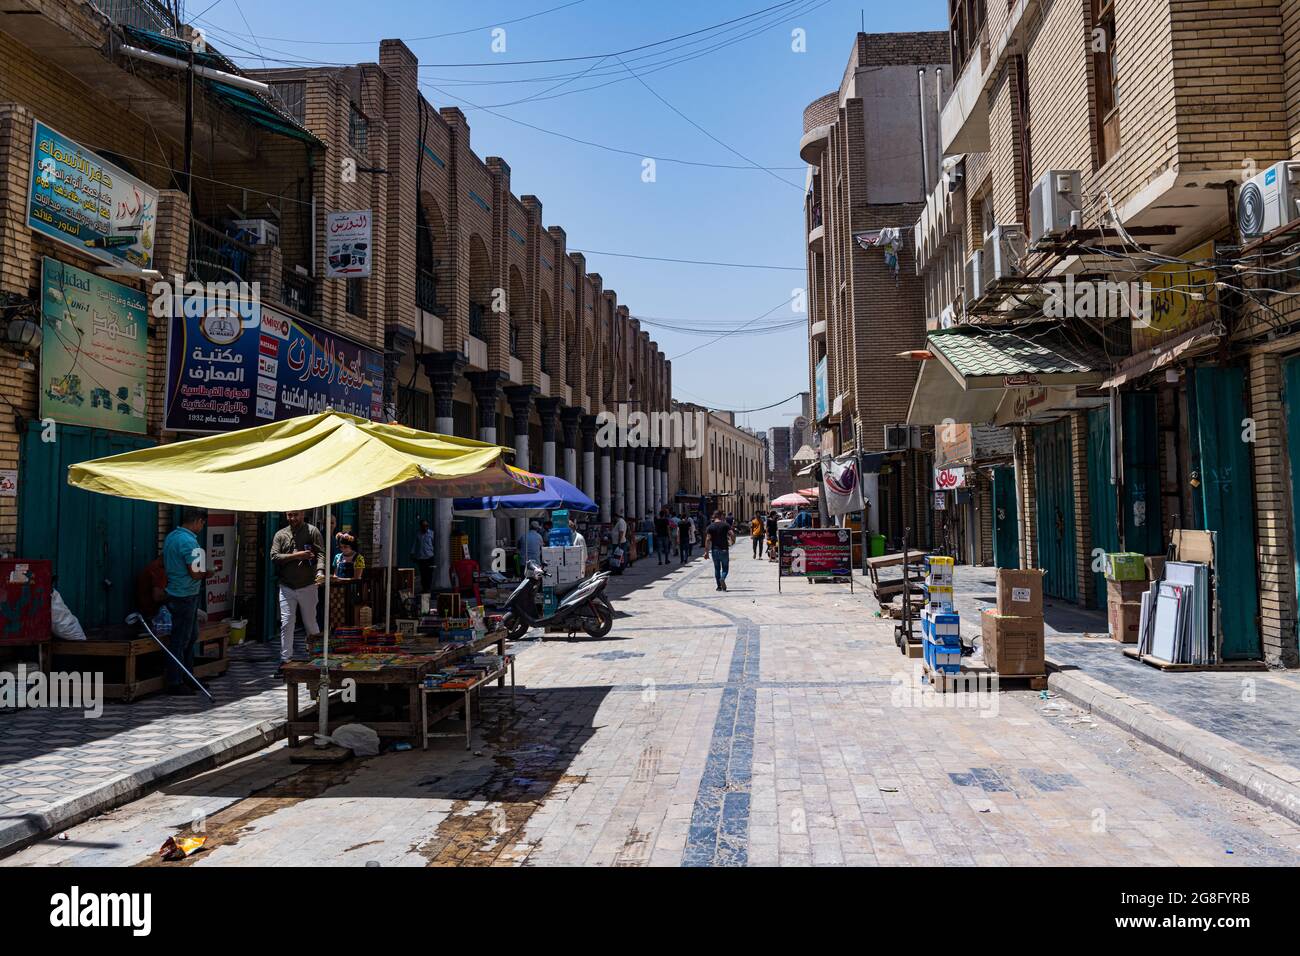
[685, 538]
[186, 570]
[618, 539]
[719, 542]
[298, 554]
[422, 554]
[530, 544]
[756, 534]
[772, 527]
[661, 536]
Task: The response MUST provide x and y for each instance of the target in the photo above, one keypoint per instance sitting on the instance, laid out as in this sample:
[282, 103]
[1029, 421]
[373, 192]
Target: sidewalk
[1240, 728]
[59, 766]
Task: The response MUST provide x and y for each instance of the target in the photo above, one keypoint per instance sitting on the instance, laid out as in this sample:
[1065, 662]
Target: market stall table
[409, 675]
[471, 696]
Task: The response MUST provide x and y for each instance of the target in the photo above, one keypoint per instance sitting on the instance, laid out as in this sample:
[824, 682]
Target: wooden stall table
[471, 697]
[122, 653]
[408, 675]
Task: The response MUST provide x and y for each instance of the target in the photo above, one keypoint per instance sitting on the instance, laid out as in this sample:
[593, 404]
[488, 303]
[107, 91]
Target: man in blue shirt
[422, 553]
[530, 545]
[186, 567]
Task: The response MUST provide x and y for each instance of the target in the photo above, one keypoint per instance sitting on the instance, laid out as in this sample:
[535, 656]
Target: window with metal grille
[356, 297]
[293, 97]
[358, 129]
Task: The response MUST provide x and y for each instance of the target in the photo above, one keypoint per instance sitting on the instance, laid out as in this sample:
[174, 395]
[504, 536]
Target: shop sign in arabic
[223, 374]
[95, 350]
[81, 199]
[348, 244]
[815, 552]
[949, 479]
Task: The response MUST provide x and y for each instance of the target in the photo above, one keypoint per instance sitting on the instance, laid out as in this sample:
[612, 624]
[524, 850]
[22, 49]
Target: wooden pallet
[1163, 665]
[981, 676]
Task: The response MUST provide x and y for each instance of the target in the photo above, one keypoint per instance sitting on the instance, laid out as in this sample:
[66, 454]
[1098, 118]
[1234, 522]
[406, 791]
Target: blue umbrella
[555, 493]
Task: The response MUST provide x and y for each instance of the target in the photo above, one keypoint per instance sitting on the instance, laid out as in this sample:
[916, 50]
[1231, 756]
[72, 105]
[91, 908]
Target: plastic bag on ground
[63, 623]
[360, 739]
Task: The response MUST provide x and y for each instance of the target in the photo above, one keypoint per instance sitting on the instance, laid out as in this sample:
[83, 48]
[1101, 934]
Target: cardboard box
[1126, 566]
[1123, 592]
[1020, 593]
[1125, 617]
[1155, 569]
[1013, 645]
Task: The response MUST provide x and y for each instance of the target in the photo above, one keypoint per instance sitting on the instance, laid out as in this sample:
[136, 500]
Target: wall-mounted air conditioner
[973, 277]
[1055, 204]
[900, 437]
[1004, 249]
[1269, 201]
[260, 232]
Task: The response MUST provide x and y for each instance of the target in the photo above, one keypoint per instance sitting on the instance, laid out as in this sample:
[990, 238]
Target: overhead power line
[691, 262]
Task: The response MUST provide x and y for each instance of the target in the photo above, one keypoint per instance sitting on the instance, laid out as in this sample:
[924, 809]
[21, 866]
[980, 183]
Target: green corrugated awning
[1032, 355]
[256, 108]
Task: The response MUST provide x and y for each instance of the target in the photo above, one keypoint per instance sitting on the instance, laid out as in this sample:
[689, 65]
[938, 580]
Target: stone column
[569, 422]
[642, 503]
[587, 424]
[629, 482]
[548, 410]
[616, 476]
[487, 392]
[520, 398]
[607, 469]
[663, 478]
[443, 370]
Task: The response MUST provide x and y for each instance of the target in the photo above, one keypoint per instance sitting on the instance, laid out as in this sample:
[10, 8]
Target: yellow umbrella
[302, 463]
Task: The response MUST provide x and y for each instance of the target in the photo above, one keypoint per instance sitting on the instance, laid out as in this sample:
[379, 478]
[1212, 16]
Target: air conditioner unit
[1004, 248]
[262, 231]
[973, 277]
[1269, 201]
[897, 437]
[1054, 204]
[956, 178]
[901, 437]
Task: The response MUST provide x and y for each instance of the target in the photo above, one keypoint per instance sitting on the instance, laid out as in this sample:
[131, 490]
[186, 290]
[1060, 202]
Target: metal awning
[939, 397]
[1193, 342]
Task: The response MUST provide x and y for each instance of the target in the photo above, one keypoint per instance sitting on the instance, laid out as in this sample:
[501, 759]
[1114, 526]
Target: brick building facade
[486, 324]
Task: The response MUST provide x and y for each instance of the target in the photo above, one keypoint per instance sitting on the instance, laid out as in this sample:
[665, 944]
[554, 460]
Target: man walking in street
[772, 528]
[685, 538]
[756, 534]
[298, 554]
[661, 536]
[718, 535]
[422, 554]
[184, 564]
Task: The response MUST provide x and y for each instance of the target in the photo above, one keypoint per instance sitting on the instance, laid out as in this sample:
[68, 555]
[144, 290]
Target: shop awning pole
[392, 533]
[323, 688]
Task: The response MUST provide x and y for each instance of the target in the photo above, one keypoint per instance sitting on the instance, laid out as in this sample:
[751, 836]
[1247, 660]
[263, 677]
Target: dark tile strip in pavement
[719, 829]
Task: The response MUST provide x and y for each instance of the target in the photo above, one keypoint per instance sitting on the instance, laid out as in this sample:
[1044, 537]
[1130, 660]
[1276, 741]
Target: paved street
[717, 729]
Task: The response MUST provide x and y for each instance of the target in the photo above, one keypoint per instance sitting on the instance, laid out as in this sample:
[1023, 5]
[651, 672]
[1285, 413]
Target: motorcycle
[585, 607]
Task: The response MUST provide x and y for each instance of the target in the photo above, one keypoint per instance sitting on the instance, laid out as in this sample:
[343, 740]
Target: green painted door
[1101, 498]
[1143, 530]
[1228, 504]
[1006, 519]
[1055, 497]
[1291, 406]
[97, 543]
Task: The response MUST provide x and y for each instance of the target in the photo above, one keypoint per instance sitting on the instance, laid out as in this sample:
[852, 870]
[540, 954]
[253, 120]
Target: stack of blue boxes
[940, 623]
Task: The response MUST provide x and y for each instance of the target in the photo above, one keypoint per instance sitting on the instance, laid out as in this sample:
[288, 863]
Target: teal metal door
[1006, 519]
[1291, 406]
[1055, 497]
[1228, 504]
[97, 543]
[1101, 498]
[1143, 530]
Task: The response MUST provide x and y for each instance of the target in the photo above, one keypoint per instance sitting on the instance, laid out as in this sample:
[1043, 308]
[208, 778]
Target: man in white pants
[298, 553]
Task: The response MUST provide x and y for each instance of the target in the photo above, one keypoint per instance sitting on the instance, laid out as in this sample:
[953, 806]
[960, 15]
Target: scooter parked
[584, 608]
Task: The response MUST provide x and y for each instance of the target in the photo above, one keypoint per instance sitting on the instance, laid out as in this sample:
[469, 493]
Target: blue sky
[739, 103]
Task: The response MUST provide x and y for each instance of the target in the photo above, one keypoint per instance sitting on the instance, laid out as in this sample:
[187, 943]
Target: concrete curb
[1273, 785]
[20, 832]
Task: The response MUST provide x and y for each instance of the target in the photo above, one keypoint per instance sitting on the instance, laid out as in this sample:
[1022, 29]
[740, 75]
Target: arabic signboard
[224, 374]
[953, 443]
[348, 244]
[221, 556]
[949, 479]
[819, 382]
[95, 351]
[815, 552]
[85, 201]
[1174, 288]
[940, 501]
